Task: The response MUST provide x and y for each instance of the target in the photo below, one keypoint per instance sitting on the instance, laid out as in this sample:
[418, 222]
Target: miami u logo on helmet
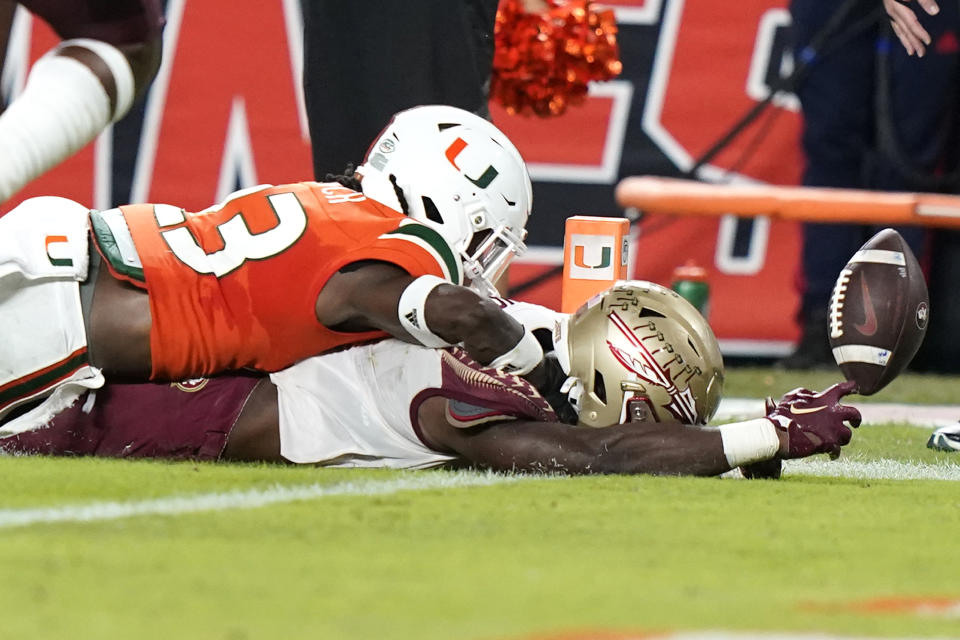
[485, 178]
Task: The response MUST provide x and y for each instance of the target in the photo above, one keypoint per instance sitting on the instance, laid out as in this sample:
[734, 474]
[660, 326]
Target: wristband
[749, 442]
[411, 312]
[524, 356]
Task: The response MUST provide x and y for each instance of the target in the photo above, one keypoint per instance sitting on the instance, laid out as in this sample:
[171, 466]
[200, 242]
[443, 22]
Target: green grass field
[114, 549]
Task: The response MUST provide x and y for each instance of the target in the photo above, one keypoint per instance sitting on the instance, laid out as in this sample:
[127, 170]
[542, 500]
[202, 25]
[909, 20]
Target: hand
[523, 358]
[911, 33]
[814, 422]
[535, 6]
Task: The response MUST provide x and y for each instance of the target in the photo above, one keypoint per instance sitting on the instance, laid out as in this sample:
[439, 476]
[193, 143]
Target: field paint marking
[249, 499]
[758, 635]
[705, 635]
[254, 498]
[884, 469]
[925, 416]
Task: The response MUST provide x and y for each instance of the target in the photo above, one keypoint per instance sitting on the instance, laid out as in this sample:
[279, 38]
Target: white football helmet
[460, 175]
[639, 352]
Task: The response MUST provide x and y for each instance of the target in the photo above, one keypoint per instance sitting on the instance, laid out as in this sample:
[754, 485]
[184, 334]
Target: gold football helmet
[640, 352]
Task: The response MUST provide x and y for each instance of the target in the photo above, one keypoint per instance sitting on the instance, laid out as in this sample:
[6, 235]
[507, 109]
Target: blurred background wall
[225, 112]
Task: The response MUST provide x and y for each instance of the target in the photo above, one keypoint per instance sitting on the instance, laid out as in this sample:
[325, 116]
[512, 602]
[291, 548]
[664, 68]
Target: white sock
[62, 108]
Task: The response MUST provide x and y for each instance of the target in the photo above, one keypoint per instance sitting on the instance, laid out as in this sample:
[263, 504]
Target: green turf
[541, 555]
[757, 382]
[896, 442]
[510, 561]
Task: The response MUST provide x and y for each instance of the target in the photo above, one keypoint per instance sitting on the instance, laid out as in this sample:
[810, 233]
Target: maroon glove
[814, 422]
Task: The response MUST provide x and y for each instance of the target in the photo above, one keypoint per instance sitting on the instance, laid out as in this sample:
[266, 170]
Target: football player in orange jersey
[109, 55]
[639, 354]
[272, 275]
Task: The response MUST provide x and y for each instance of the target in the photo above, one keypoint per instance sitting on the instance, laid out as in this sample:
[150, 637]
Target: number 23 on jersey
[281, 213]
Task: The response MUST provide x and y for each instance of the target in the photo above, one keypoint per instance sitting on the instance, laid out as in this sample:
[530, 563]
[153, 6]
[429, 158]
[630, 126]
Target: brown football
[879, 310]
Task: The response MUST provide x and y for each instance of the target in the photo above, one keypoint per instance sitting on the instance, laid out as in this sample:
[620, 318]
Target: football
[878, 312]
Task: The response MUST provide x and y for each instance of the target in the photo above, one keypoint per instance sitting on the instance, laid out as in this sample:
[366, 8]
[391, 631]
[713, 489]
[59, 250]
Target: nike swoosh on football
[869, 325]
[800, 410]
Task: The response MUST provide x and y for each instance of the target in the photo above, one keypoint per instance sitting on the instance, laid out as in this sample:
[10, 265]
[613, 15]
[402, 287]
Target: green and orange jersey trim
[430, 241]
[42, 380]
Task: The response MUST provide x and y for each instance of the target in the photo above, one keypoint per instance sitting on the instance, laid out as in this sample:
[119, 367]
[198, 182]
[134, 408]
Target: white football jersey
[43, 352]
[353, 408]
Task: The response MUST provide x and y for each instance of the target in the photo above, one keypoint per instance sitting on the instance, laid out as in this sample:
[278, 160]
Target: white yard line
[755, 635]
[249, 499]
[414, 481]
[883, 469]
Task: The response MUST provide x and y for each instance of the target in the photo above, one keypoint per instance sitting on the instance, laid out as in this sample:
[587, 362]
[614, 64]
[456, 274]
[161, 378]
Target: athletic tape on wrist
[119, 68]
[749, 442]
[411, 312]
[520, 360]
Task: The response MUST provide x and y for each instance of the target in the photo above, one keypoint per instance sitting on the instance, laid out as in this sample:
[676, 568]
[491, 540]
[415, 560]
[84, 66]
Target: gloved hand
[524, 356]
[814, 422]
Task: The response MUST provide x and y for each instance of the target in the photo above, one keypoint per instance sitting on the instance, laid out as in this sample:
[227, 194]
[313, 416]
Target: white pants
[43, 345]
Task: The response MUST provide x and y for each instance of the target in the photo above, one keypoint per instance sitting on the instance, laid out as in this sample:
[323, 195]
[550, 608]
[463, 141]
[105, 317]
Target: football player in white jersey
[639, 374]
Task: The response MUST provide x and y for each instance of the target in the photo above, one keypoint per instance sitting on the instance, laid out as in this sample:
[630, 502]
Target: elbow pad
[411, 312]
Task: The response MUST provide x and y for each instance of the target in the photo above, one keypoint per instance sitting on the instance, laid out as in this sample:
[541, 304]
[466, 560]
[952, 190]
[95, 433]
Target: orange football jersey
[235, 286]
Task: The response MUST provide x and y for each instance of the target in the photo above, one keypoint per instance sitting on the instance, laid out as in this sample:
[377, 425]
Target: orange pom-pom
[543, 61]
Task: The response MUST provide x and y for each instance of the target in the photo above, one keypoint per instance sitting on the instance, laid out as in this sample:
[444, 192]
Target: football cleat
[945, 438]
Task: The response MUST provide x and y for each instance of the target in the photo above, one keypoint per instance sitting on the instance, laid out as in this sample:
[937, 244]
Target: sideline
[250, 499]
